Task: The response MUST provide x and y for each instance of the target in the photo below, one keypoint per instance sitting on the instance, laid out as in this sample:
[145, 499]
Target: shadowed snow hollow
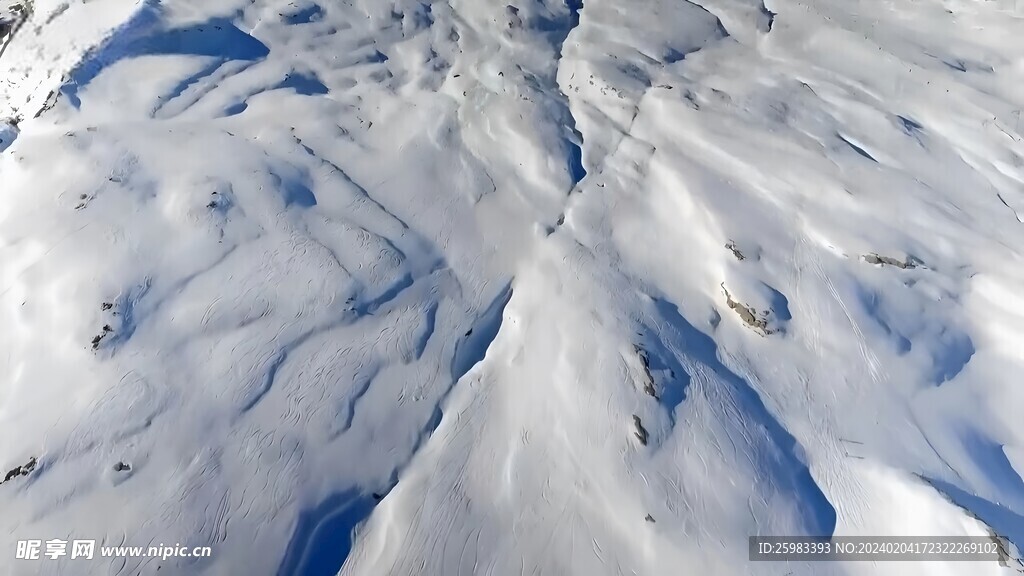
[454, 287]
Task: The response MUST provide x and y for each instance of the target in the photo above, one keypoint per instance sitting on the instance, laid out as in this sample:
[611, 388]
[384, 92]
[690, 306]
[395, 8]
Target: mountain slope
[536, 288]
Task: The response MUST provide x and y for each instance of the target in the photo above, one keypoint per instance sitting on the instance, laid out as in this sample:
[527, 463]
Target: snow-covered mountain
[452, 287]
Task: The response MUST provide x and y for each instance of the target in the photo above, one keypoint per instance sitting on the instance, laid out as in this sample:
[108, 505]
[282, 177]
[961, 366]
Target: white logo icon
[56, 548]
[82, 549]
[28, 549]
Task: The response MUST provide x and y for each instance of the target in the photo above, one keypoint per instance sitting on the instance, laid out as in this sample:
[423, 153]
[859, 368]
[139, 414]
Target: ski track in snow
[447, 287]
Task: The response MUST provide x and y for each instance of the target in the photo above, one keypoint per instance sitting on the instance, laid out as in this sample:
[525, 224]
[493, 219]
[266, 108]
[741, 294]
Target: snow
[385, 287]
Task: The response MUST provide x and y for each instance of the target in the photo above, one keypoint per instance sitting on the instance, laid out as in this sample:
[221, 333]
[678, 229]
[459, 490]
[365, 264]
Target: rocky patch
[877, 260]
[641, 432]
[751, 317]
[23, 470]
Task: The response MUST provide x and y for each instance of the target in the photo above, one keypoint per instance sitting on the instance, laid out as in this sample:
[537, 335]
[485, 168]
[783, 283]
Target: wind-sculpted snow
[455, 287]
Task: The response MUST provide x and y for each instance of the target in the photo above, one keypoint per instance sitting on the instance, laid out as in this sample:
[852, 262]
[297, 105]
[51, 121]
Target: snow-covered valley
[451, 287]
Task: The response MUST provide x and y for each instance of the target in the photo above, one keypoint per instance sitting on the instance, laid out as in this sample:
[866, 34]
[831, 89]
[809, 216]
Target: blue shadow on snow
[143, 35]
[790, 474]
[323, 537]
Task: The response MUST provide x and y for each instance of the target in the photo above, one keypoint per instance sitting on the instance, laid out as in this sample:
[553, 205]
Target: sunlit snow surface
[380, 286]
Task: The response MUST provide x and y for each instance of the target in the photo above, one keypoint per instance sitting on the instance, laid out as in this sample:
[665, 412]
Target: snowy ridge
[450, 287]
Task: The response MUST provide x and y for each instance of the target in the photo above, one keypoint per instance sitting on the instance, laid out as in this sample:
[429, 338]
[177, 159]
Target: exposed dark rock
[883, 260]
[12, 22]
[23, 470]
[749, 314]
[649, 518]
[51, 101]
[641, 432]
[122, 467]
[648, 378]
[99, 338]
[512, 13]
[731, 246]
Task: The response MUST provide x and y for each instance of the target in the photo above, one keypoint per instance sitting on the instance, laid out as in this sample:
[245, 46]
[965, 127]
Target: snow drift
[454, 287]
